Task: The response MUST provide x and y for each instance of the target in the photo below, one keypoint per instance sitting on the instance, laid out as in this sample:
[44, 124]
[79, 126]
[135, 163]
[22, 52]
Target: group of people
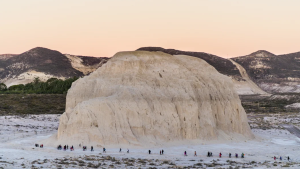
[121, 150]
[66, 147]
[84, 148]
[37, 145]
[210, 154]
[161, 152]
[280, 158]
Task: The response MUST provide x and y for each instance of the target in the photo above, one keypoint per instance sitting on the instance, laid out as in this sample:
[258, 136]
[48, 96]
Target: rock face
[142, 98]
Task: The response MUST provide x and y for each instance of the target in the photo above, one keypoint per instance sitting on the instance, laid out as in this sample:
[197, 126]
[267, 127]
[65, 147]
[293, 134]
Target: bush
[51, 86]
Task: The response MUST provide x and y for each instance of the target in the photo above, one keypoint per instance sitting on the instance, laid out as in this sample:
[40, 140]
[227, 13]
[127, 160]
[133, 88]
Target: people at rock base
[209, 154]
[36, 145]
[41, 146]
[84, 148]
[161, 152]
[59, 147]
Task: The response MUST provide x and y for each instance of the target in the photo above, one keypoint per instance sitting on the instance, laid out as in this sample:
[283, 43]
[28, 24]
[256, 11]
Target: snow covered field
[19, 134]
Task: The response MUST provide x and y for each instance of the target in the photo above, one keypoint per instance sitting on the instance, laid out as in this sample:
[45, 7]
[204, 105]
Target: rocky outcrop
[150, 98]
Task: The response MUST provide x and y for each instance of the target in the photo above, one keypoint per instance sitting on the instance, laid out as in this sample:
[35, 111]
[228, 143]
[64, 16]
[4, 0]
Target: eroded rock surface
[142, 98]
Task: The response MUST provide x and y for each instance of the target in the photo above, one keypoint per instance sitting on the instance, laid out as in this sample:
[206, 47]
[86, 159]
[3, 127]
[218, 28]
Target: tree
[3, 87]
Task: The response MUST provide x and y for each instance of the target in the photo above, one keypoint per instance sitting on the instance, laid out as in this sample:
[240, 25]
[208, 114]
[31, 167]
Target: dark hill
[267, 70]
[222, 65]
[262, 65]
[4, 57]
[41, 60]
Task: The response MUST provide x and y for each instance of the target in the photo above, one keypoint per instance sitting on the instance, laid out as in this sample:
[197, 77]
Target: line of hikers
[210, 154]
[161, 152]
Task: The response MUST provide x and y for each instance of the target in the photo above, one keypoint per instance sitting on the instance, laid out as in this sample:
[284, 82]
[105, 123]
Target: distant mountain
[260, 72]
[273, 73]
[45, 63]
[6, 56]
[243, 83]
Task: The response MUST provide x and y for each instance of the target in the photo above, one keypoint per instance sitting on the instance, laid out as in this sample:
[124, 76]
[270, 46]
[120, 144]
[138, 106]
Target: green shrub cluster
[51, 86]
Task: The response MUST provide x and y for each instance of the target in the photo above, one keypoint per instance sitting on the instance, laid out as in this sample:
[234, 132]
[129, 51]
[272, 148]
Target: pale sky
[226, 28]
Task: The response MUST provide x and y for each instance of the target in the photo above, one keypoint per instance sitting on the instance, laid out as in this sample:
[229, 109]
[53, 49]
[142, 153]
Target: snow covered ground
[19, 134]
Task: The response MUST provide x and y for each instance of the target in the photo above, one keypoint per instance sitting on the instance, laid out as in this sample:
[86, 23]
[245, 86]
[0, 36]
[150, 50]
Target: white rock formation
[151, 98]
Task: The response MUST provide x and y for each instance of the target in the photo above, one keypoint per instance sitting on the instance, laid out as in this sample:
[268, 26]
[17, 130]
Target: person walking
[195, 153]
[162, 152]
[149, 151]
[92, 148]
[185, 153]
[229, 155]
